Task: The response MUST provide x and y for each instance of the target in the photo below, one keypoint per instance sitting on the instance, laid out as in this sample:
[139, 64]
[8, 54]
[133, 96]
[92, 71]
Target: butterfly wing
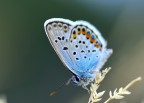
[58, 32]
[88, 49]
[79, 45]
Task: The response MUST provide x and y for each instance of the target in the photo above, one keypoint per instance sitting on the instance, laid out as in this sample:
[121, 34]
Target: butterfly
[80, 47]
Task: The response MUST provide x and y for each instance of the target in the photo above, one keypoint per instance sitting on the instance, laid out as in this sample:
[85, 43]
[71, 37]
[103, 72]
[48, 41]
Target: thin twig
[122, 91]
[94, 96]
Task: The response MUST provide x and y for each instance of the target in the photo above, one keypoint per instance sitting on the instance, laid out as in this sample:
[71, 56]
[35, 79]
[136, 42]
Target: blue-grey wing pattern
[88, 49]
[79, 45]
[58, 31]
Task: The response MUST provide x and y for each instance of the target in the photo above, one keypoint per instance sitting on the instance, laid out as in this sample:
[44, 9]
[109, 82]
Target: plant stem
[132, 82]
[129, 85]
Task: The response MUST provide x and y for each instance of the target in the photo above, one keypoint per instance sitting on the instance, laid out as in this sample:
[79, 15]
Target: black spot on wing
[78, 29]
[79, 41]
[83, 29]
[74, 53]
[93, 50]
[54, 25]
[77, 58]
[63, 38]
[56, 41]
[59, 38]
[66, 40]
[65, 27]
[65, 48]
[74, 32]
[82, 51]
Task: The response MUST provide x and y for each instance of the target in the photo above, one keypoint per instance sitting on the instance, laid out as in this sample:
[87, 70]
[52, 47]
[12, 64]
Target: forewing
[58, 31]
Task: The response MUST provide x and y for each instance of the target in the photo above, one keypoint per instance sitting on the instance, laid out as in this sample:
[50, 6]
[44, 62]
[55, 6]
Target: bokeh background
[29, 67]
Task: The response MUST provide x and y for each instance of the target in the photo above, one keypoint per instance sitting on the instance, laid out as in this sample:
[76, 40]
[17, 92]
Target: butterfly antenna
[53, 93]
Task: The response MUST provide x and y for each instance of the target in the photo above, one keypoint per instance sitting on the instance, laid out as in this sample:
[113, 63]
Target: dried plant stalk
[117, 94]
[122, 91]
[94, 96]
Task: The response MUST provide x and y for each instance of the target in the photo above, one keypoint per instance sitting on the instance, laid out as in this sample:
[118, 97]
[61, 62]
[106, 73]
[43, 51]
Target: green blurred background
[29, 67]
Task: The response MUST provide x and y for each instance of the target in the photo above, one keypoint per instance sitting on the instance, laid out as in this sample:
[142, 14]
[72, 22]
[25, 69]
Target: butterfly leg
[68, 82]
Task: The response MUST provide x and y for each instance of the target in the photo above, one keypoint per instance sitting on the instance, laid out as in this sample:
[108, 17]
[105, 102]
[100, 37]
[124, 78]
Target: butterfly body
[80, 47]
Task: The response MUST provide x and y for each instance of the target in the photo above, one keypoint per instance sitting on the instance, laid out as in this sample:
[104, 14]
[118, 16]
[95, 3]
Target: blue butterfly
[80, 46]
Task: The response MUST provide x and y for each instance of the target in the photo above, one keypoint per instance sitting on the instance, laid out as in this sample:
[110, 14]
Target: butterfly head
[75, 80]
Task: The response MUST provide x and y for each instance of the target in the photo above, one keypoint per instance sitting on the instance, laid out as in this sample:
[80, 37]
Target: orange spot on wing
[79, 32]
[92, 40]
[83, 32]
[98, 46]
[74, 36]
[88, 36]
